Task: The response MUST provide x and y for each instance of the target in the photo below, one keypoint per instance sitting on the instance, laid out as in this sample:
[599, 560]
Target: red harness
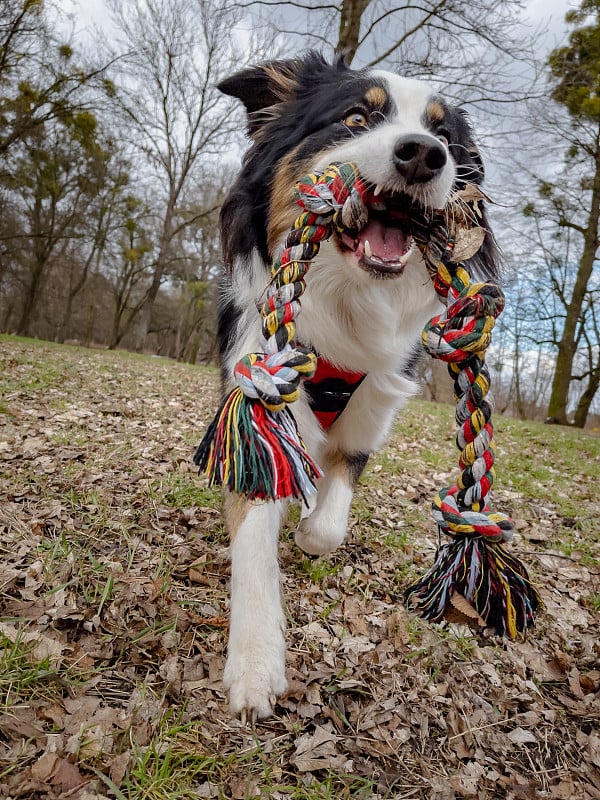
[330, 389]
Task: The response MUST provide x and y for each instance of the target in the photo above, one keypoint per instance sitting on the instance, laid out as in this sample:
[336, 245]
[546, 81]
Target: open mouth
[383, 245]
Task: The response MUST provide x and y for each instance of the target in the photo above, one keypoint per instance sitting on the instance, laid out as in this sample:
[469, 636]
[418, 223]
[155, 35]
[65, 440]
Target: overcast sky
[550, 13]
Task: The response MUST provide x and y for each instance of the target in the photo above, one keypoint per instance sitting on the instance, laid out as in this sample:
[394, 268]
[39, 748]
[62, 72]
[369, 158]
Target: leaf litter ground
[113, 611]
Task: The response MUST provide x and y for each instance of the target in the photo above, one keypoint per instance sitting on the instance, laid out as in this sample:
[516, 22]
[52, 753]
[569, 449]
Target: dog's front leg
[255, 669]
[325, 526]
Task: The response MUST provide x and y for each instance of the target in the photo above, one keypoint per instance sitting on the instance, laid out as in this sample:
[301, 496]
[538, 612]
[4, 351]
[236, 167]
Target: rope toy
[253, 446]
[474, 566]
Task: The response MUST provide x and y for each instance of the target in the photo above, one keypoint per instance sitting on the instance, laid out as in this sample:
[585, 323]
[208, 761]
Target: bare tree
[522, 356]
[39, 80]
[129, 264]
[174, 52]
[567, 218]
[195, 274]
[110, 180]
[472, 45]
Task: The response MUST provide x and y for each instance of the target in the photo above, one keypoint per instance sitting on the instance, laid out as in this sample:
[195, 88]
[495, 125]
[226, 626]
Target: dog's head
[415, 150]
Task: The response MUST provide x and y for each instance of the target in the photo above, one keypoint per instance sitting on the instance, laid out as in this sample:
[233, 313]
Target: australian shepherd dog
[367, 298]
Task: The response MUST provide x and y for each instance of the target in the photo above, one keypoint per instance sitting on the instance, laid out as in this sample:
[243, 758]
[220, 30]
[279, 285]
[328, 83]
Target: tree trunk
[145, 315]
[349, 32]
[89, 327]
[585, 401]
[563, 372]
[30, 300]
[74, 288]
[63, 328]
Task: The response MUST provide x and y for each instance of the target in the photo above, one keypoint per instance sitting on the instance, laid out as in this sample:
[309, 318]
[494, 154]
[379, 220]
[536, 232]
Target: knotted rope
[253, 446]
[475, 564]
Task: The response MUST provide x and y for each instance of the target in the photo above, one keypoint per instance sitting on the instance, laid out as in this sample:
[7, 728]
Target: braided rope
[476, 563]
[460, 336]
[254, 447]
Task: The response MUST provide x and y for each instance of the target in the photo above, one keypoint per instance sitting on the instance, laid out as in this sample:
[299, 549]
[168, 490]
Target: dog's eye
[443, 135]
[356, 119]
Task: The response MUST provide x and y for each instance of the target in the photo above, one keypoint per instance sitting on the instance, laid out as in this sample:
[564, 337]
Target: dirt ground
[113, 610]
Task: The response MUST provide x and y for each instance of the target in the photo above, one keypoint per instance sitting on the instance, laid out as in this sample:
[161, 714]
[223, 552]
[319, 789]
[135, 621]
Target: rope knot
[253, 445]
[454, 519]
[338, 195]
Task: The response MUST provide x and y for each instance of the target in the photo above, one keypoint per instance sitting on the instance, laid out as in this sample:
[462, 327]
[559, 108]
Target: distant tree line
[116, 150]
[111, 176]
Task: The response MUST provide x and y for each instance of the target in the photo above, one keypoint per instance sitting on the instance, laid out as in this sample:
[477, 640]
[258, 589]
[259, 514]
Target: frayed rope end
[255, 452]
[494, 583]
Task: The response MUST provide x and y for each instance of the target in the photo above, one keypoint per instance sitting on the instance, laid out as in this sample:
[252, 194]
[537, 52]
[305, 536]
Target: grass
[177, 763]
[115, 558]
[22, 677]
[179, 490]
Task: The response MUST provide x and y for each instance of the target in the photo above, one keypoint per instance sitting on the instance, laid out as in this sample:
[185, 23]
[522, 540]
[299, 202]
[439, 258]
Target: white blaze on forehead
[410, 98]
[373, 150]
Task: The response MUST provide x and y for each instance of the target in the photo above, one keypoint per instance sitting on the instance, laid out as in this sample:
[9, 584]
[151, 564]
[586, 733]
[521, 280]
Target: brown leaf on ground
[114, 609]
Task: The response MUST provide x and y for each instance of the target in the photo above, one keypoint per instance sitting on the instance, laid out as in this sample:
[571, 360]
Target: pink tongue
[387, 244]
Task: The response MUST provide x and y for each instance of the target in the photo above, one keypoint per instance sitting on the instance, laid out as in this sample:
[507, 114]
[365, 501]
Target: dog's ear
[263, 87]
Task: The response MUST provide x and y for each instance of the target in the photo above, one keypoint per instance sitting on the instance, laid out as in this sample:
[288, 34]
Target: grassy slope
[113, 610]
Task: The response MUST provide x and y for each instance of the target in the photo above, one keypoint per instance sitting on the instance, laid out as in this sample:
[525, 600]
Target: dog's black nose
[419, 158]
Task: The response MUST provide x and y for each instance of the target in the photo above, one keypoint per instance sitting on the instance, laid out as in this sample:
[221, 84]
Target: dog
[366, 300]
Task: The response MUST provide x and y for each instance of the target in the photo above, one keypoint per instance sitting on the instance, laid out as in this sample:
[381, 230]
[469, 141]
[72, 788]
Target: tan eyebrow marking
[376, 97]
[435, 111]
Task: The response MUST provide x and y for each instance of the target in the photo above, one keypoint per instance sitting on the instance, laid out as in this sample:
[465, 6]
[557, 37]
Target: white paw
[254, 683]
[317, 537]
[326, 525]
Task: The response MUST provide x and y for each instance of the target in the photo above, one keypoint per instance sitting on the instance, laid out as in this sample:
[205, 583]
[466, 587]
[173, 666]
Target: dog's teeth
[368, 251]
[378, 190]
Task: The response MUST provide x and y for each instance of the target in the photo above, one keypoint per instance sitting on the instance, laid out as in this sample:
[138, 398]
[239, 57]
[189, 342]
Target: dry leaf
[521, 736]
[471, 196]
[594, 748]
[118, 767]
[473, 193]
[44, 767]
[43, 646]
[467, 243]
[318, 751]
[171, 669]
[462, 612]
[467, 780]
[67, 776]
[397, 630]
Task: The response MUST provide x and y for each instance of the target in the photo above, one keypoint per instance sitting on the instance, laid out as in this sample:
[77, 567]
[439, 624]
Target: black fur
[299, 106]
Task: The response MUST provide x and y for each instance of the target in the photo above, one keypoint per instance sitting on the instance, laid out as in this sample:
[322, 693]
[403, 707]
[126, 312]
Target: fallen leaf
[44, 767]
[594, 748]
[467, 243]
[462, 612]
[118, 767]
[318, 751]
[521, 736]
[67, 776]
